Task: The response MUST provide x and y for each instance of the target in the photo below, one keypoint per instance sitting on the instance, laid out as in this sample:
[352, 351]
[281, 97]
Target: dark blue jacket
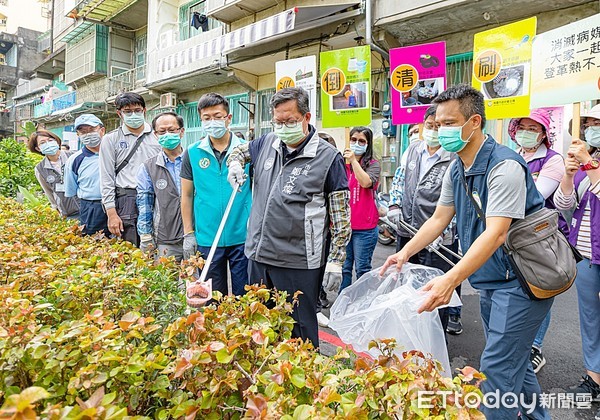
[496, 272]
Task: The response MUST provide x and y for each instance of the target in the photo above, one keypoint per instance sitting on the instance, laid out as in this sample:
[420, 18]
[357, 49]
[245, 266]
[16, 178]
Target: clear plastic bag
[376, 307]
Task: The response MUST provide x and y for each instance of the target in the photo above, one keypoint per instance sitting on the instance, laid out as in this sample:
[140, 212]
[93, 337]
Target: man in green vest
[205, 193]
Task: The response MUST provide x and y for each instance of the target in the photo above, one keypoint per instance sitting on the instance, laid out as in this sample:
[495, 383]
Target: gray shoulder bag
[542, 258]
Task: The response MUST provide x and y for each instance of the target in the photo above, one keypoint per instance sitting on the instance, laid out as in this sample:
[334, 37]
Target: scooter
[387, 230]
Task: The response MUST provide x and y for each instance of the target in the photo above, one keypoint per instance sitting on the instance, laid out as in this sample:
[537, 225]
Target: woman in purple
[534, 138]
[580, 189]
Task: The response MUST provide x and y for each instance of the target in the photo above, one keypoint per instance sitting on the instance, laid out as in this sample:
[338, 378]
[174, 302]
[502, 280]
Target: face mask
[169, 140]
[357, 149]
[527, 139]
[290, 136]
[451, 138]
[414, 137]
[215, 128]
[90, 139]
[431, 137]
[49, 148]
[134, 120]
[592, 136]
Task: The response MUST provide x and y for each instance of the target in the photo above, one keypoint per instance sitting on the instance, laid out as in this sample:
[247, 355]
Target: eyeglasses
[288, 124]
[361, 142]
[130, 112]
[170, 131]
[208, 118]
[531, 128]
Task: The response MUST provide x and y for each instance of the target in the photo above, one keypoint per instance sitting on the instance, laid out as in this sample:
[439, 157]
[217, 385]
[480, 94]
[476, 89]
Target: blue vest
[211, 195]
[496, 272]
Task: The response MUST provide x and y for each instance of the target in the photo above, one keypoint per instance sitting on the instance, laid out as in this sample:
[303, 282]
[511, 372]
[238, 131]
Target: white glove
[438, 241]
[394, 215]
[147, 243]
[332, 279]
[189, 245]
[236, 176]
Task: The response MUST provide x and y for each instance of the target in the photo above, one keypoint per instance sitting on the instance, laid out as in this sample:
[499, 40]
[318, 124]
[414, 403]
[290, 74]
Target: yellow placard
[333, 81]
[502, 68]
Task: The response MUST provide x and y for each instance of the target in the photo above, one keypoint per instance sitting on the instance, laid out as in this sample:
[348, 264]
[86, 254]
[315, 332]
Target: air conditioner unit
[168, 100]
[376, 100]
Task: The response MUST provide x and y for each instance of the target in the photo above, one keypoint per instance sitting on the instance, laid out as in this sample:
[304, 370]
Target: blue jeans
[539, 338]
[359, 253]
[238, 265]
[588, 288]
[510, 322]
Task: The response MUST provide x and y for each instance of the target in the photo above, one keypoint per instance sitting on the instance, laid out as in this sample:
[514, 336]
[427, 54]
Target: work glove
[332, 279]
[438, 241]
[394, 215]
[236, 176]
[198, 292]
[147, 243]
[189, 245]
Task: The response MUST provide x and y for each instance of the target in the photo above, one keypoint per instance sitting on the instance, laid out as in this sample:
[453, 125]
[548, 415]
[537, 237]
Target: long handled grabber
[413, 231]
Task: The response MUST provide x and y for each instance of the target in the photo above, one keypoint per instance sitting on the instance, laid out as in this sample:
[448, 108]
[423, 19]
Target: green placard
[346, 87]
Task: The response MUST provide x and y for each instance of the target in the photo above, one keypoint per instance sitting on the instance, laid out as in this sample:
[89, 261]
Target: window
[239, 114]
[263, 122]
[186, 12]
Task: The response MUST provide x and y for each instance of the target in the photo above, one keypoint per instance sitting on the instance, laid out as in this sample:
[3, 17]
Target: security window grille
[140, 56]
[263, 122]
[186, 12]
[239, 114]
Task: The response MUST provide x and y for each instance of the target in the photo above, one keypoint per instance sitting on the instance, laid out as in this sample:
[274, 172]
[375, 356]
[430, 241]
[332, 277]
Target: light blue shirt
[427, 161]
[82, 178]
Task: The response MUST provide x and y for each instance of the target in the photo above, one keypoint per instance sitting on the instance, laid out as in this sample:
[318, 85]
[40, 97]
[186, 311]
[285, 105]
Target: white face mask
[414, 137]
[592, 136]
[431, 137]
[527, 139]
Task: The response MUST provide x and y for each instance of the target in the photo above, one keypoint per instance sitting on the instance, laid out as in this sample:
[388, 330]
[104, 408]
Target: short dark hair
[470, 100]
[33, 140]
[129, 98]
[65, 146]
[208, 100]
[292, 94]
[430, 112]
[178, 117]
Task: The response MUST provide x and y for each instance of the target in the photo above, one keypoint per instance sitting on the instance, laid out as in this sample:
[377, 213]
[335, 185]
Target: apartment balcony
[231, 10]
[128, 13]
[45, 42]
[127, 81]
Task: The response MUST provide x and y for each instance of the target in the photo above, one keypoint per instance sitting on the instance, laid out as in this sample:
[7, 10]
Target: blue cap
[87, 119]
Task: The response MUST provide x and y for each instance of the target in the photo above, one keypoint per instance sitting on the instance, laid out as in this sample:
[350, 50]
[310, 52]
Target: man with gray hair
[300, 191]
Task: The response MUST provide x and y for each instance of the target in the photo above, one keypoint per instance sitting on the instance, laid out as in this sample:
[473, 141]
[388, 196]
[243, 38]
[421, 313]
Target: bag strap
[478, 208]
[137, 144]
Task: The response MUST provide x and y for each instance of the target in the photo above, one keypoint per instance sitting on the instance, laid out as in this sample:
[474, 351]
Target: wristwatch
[592, 164]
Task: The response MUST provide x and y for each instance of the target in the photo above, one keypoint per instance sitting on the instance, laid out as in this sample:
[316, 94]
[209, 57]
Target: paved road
[562, 346]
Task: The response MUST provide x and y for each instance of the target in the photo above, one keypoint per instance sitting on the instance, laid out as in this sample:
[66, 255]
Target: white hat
[592, 113]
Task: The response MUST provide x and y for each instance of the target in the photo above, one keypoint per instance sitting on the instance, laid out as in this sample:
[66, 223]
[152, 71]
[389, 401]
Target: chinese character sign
[418, 75]
[299, 72]
[566, 64]
[346, 87]
[502, 68]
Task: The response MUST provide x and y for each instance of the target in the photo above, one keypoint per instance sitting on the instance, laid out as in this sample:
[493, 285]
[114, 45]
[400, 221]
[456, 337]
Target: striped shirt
[584, 236]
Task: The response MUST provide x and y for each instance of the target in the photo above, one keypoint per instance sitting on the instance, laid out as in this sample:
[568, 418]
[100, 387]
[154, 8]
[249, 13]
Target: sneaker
[585, 388]
[454, 325]
[537, 359]
[322, 320]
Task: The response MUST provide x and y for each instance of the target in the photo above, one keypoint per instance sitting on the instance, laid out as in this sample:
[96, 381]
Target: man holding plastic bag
[497, 179]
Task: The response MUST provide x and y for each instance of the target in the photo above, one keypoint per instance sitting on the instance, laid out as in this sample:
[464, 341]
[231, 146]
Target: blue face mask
[169, 140]
[451, 138]
[49, 148]
[215, 128]
[134, 120]
[357, 149]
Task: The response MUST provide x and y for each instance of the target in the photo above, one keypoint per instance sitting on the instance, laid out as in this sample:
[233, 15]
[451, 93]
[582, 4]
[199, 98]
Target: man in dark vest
[498, 180]
[159, 189]
[299, 187]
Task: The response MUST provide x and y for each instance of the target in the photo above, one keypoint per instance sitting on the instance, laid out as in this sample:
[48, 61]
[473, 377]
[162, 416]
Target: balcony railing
[62, 102]
[45, 42]
[127, 81]
[96, 91]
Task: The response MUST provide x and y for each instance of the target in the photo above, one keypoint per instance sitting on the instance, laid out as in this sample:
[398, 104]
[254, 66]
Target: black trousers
[128, 212]
[431, 259]
[292, 280]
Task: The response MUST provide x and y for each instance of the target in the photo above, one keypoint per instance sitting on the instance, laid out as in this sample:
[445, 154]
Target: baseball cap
[87, 119]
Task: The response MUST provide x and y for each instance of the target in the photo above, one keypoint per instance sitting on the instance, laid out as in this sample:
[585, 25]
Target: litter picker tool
[202, 282]
[413, 231]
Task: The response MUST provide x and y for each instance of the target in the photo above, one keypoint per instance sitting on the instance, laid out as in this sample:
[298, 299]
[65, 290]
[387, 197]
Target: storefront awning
[281, 24]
